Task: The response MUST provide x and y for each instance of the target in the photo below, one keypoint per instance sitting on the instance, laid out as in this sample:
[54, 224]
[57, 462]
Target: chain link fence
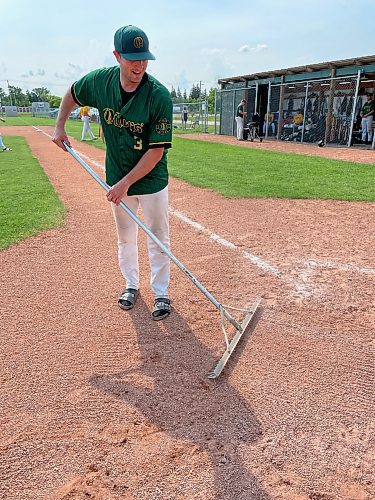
[196, 114]
[325, 111]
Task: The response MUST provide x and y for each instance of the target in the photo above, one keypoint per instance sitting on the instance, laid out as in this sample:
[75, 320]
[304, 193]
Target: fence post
[354, 108]
[268, 109]
[233, 110]
[281, 107]
[330, 106]
[304, 112]
[215, 111]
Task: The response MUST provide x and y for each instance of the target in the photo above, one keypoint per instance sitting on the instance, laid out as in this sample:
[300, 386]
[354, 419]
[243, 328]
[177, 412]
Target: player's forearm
[66, 107]
[144, 166]
[59, 136]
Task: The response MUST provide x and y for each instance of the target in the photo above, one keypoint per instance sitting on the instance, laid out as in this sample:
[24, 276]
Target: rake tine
[215, 372]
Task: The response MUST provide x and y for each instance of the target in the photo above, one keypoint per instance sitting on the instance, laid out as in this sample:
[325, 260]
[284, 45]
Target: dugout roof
[343, 67]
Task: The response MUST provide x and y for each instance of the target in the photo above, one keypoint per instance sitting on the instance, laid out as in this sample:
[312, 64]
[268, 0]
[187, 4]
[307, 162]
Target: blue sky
[53, 44]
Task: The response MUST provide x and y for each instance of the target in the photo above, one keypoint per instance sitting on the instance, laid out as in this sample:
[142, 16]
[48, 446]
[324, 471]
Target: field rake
[240, 328]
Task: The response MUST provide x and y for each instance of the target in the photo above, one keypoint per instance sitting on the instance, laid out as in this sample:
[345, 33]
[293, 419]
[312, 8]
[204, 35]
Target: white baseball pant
[367, 128]
[87, 128]
[156, 218]
[239, 122]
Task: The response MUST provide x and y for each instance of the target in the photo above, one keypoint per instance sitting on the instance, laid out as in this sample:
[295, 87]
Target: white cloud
[258, 48]
[182, 80]
[38, 72]
[72, 72]
[213, 51]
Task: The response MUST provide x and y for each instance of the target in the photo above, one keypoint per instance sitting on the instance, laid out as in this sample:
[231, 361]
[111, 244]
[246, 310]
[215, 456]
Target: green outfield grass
[74, 127]
[26, 119]
[254, 173]
[28, 202]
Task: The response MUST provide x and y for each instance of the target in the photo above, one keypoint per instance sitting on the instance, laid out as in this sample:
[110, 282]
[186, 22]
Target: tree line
[195, 94]
[17, 97]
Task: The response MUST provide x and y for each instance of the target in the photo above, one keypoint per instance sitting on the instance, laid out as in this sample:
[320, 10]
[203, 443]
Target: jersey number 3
[138, 143]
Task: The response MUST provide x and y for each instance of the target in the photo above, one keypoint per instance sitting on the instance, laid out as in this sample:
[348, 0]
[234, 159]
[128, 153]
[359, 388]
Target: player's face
[131, 71]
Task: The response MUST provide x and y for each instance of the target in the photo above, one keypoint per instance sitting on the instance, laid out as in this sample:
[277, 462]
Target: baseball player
[184, 117]
[240, 118]
[84, 113]
[2, 145]
[367, 115]
[136, 116]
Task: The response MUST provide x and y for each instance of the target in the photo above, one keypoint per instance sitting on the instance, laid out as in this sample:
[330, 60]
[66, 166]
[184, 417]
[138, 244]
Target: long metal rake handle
[157, 241]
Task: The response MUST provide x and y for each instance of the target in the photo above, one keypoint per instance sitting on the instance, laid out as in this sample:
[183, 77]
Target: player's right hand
[59, 137]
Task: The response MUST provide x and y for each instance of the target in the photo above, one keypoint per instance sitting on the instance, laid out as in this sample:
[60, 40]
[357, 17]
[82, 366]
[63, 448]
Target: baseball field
[107, 404]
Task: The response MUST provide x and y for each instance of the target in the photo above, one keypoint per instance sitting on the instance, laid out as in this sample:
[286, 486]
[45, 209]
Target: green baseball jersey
[240, 110]
[144, 122]
[368, 107]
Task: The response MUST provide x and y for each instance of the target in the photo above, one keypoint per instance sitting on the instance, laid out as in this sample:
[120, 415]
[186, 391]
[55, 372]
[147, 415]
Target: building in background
[40, 109]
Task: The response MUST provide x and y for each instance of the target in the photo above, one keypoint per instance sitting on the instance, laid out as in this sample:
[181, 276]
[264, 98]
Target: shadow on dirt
[186, 405]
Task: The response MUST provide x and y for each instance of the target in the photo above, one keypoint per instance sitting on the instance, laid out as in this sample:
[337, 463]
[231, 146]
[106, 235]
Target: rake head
[241, 328]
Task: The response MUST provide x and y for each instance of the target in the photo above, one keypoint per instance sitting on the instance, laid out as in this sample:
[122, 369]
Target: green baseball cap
[132, 44]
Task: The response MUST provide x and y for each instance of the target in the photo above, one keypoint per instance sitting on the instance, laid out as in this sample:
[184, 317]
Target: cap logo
[138, 42]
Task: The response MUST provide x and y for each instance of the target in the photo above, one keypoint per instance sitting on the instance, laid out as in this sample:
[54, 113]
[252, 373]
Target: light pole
[10, 95]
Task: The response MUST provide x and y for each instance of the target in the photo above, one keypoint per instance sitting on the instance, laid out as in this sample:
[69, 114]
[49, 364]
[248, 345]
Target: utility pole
[10, 95]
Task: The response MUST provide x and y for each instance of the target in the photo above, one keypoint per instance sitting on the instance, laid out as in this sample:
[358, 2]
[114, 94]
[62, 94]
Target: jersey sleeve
[160, 131]
[84, 90]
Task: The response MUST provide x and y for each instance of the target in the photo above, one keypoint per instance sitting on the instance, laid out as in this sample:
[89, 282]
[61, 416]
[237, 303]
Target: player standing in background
[136, 116]
[367, 115]
[2, 145]
[84, 113]
[184, 117]
[240, 119]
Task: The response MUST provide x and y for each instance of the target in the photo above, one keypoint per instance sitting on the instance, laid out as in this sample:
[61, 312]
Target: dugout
[312, 103]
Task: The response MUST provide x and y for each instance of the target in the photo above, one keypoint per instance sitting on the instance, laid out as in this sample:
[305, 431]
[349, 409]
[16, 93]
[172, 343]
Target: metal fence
[325, 110]
[197, 115]
[226, 102]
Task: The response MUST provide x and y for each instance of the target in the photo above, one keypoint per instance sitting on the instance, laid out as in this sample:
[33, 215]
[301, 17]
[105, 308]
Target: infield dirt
[101, 403]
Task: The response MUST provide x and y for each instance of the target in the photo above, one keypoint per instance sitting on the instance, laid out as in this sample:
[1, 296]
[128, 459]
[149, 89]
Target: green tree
[40, 94]
[4, 99]
[54, 101]
[17, 97]
[173, 93]
[211, 100]
[184, 95]
[195, 93]
[178, 94]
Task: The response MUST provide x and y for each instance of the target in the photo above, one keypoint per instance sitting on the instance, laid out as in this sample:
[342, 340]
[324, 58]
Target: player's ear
[117, 56]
